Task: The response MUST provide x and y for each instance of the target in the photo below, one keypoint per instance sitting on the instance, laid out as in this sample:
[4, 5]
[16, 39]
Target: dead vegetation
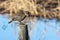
[35, 8]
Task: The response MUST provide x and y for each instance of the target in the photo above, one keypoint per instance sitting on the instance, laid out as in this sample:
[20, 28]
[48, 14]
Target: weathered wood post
[23, 32]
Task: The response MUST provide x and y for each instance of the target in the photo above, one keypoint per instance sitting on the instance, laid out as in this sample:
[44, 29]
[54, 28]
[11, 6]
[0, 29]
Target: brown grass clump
[39, 8]
[17, 5]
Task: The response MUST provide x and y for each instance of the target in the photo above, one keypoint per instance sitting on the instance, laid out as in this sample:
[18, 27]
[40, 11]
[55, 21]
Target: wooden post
[23, 32]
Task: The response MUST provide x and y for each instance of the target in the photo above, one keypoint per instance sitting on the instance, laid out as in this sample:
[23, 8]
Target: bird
[20, 16]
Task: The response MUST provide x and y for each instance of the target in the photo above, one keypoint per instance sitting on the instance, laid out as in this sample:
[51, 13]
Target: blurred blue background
[42, 31]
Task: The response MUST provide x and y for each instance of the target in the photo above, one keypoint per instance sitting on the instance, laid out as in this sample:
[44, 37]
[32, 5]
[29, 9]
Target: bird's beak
[10, 20]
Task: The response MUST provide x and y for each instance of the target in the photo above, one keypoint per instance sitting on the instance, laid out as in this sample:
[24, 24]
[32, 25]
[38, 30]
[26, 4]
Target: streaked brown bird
[20, 16]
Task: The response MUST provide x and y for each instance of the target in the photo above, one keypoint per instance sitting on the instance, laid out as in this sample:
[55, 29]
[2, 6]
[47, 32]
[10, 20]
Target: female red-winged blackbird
[20, 16]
